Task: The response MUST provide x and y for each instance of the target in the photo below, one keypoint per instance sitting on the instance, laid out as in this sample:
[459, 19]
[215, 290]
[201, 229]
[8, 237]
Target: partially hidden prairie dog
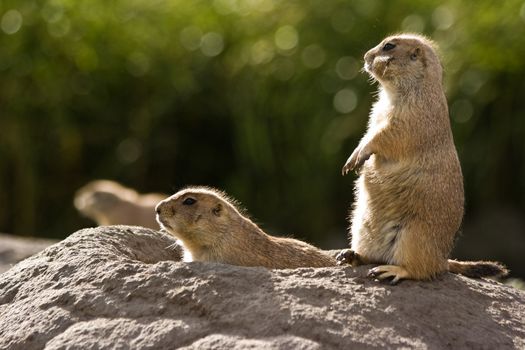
[409, 194]
[212, 228]
[109, 203]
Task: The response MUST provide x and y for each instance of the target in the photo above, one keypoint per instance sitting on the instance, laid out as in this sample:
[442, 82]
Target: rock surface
[14, 248]
[119, 287]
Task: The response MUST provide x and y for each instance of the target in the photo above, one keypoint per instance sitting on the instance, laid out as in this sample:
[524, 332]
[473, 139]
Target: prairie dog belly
[387, 197]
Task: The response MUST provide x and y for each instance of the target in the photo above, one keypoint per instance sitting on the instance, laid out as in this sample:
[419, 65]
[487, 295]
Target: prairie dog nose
[368, 56]
[158, 208]
[165, 207]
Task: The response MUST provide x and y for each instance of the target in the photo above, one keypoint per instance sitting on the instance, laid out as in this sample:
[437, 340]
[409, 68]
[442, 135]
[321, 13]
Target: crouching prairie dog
[212, 228]
[409, 194]
[109, 203]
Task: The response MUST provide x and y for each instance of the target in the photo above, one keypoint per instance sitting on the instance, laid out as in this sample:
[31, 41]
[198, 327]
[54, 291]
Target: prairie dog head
[403, 60]
[199, 217]
[97, 198]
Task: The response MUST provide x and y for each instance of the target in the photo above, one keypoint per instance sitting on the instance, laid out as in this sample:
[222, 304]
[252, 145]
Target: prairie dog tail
[477, 269]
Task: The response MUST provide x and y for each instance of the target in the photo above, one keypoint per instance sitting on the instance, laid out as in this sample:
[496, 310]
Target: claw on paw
[347, 168]
[356, 159]
[382, 272]
[346, 256]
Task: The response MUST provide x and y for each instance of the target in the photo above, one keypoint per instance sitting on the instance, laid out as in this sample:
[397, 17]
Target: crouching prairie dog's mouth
[164, 214]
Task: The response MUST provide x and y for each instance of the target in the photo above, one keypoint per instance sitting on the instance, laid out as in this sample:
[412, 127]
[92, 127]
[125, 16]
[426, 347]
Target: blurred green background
[261, 98]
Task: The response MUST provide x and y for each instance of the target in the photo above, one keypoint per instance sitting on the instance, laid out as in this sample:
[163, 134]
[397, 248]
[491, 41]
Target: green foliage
[262, 98]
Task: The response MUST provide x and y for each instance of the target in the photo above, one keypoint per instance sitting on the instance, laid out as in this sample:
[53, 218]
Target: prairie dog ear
[217, 209]
[415, 54]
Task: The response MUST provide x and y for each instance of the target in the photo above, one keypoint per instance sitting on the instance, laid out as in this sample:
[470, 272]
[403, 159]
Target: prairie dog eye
[189, 201]
[388, 46]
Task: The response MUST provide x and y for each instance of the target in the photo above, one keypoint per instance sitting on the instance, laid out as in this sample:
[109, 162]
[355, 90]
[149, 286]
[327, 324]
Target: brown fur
[109, 203]
[213, 229]
[409, 195]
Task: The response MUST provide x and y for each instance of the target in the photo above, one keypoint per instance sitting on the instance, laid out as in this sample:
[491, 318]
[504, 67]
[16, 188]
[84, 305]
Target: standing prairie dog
[109, 203]
[211, 228]
[409, 194]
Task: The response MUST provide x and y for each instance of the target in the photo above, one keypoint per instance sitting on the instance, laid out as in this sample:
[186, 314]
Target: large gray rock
[119, 287]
